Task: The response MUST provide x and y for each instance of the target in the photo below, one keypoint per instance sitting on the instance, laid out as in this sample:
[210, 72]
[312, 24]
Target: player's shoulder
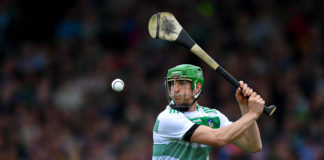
[208, 110]
[169, 113]
[172, 121]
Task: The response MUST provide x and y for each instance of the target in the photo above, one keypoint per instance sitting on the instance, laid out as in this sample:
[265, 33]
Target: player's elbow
[255, 148]
[258, 148]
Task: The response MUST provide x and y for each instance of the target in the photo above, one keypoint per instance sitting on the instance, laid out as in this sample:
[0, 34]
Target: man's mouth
[178, 96]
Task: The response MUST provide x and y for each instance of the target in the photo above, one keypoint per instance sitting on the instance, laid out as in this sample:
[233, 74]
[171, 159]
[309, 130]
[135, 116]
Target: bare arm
[225, 135]
[240, 132]
[250, 139]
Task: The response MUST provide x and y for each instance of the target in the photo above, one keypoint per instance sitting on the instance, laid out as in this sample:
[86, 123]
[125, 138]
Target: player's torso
[168, 148]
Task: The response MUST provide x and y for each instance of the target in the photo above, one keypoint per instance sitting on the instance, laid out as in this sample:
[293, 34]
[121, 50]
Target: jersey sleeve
[224, 120]
[173, 125]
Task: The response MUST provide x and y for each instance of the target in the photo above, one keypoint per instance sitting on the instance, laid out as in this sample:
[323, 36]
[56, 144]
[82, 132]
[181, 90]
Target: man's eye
[182, 82]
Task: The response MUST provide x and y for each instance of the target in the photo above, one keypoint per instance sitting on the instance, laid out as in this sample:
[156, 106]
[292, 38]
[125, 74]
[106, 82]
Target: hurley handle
[267, 110]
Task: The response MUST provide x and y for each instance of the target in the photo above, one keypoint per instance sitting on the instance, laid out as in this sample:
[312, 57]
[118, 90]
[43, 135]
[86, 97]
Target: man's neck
[193, 107]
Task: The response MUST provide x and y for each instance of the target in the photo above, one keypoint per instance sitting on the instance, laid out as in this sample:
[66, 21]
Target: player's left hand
[242, 95]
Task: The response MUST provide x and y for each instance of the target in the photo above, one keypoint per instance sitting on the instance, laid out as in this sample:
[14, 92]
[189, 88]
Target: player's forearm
[253, 138]
[252, 135]
[231, 132]
[244, 109]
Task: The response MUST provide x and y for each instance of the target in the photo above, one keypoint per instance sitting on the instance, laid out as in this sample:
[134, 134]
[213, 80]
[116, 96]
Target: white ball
[117, 85]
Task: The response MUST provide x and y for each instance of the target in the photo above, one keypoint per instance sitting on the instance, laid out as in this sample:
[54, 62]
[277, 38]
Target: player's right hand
[256, 104]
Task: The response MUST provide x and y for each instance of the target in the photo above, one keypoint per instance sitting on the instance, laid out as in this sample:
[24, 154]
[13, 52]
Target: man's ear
[198, 87]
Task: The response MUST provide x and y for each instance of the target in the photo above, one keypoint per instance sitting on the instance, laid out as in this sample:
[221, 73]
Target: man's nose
[177, 88]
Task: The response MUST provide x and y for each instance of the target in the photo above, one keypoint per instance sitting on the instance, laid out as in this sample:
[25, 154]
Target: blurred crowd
[58, 59]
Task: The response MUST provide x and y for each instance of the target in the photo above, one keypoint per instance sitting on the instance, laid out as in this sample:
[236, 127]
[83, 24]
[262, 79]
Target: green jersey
[171, 126]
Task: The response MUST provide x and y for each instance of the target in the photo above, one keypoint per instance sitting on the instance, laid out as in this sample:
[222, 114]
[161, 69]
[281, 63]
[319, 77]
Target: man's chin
[178, 102]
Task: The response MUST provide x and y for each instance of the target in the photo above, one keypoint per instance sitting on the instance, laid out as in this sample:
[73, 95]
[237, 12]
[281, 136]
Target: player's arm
[225, 135]
[250, 139]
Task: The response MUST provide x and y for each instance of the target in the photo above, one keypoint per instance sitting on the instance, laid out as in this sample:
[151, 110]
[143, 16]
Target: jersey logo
[210, 123]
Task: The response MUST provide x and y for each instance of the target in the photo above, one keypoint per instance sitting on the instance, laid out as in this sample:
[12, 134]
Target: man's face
[180, 91]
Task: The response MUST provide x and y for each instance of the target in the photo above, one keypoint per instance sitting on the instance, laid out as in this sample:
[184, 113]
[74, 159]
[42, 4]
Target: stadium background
[59, 57]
